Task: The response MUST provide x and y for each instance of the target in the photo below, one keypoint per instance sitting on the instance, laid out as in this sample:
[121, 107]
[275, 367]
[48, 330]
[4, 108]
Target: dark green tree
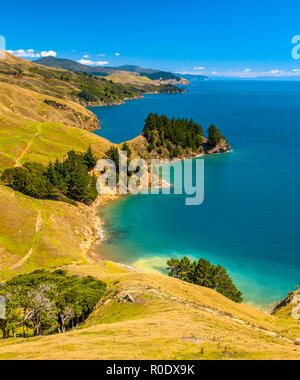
[203, 273]
[113, 154]
[214, 136]
[90, 159]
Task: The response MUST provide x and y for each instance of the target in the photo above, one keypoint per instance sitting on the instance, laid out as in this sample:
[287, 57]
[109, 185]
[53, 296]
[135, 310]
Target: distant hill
[193, 77]
[67, 64]
[135, 69]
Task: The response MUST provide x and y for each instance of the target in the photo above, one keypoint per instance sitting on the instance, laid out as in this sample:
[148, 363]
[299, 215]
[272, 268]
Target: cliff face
[222, 147]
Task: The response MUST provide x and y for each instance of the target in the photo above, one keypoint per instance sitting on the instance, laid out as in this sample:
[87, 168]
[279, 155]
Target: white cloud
[49, 53]
[101, 55]
[199, 68]
[31, 53]
[86, 56]
[247, 70]
[92, 63]
[275, 73]
[117, 54]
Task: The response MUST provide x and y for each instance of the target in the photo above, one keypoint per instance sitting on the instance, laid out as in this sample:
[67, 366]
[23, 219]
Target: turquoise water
[250, 220]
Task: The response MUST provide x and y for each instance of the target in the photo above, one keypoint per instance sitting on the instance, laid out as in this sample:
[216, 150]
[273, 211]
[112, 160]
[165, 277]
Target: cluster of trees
[214, 136]
[175, 136]
[163, 75]
[67, 181]
[95, 89]
[172, 134]
[203, 273]
[44, 302]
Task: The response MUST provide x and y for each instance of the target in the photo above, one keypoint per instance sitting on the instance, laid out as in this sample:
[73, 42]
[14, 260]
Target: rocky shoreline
[96, 235]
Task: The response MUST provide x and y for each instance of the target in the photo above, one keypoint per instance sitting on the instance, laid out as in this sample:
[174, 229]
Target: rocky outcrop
[222, 147]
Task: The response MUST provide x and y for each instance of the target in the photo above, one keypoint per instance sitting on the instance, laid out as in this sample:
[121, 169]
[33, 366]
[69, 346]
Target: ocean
[250, 219]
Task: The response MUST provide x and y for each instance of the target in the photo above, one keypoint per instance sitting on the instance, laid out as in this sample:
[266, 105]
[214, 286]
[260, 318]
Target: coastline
[97, 235]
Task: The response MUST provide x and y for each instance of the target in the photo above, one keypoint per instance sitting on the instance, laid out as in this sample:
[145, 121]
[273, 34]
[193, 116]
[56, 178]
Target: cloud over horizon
[89, 62]
[31, 53]
[249, 74]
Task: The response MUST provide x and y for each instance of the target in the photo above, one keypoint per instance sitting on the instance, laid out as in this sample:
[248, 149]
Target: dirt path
[38, 227]
[137, 291]
[28, 146]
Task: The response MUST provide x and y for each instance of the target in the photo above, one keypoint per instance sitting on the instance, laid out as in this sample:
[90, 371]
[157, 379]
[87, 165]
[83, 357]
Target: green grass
[44, 142]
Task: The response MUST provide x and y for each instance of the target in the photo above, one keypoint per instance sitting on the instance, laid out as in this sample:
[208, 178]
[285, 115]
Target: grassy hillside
[134, 78]
[42, 142]
[18, 105]
[169, 319]
[41, 234]
[40, 120]
[83, 88]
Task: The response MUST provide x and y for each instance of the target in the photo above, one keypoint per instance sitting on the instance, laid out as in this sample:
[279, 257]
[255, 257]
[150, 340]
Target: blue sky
[215, 37]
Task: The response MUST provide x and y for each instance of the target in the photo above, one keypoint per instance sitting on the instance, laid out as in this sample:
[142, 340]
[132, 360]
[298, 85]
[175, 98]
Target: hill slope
[168, 319]
[38, 234]
[76, 87]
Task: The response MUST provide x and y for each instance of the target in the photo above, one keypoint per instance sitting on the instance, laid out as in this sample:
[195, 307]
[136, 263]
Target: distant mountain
[135, 69]
[150, 73]
[67, 64]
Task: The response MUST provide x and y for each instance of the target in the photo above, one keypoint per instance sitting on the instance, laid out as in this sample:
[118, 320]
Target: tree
[113, 154]
[214, 136]
[90, 159]
[180, 269]
[126, 148]
[45, 302]
[42, 309]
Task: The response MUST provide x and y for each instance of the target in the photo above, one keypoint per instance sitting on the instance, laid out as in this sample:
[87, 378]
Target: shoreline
[97, 237]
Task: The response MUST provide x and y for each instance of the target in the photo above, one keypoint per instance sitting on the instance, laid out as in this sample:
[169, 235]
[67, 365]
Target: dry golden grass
[20, 105]
[169, 319]
[135, 79]
[40, 234]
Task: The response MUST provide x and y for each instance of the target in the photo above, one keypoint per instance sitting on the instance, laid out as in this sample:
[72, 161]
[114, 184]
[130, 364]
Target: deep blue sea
[250, 220]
